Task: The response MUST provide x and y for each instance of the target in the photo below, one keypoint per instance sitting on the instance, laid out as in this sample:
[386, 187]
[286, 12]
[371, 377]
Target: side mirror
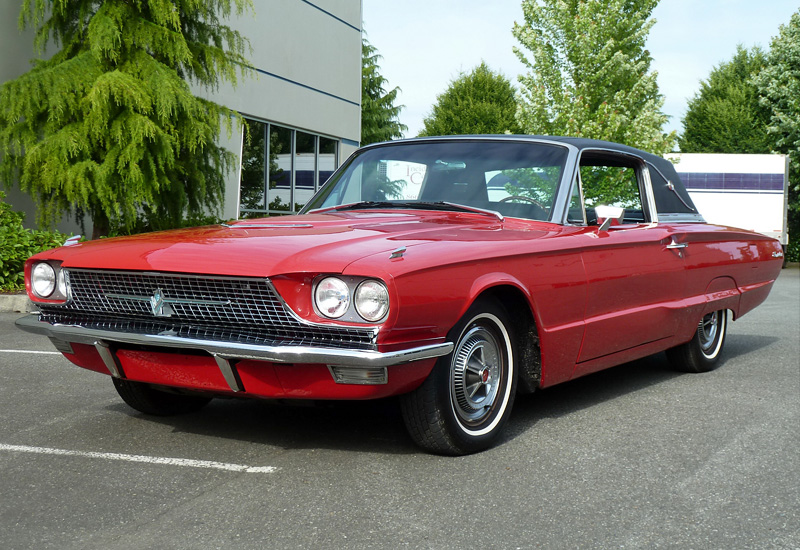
[607, 214]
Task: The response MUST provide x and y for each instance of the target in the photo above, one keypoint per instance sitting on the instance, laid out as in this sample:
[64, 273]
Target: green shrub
[17, 244]
[793, 249]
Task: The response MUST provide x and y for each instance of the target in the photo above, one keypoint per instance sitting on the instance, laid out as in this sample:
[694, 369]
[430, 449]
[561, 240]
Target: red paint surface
[599, 298]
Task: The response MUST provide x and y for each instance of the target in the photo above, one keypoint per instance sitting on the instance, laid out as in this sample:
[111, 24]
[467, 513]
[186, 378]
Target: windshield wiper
[413, 205]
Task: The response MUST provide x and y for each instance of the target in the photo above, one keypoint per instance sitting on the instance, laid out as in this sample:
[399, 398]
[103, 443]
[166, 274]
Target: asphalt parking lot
[634, 457]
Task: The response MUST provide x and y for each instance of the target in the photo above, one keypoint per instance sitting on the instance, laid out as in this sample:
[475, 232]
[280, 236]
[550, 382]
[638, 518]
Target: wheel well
[526, 334]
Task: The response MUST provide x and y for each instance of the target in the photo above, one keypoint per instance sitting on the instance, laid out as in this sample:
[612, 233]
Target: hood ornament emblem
[158, 305]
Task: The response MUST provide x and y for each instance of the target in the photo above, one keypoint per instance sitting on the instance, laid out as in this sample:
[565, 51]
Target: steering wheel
[524, 198]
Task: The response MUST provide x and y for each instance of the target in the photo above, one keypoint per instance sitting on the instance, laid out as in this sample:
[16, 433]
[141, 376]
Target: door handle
[673, 245]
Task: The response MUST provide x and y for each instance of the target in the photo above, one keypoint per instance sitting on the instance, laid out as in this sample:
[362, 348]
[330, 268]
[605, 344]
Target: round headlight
[43, 279]
[332, 297]
[372, 300]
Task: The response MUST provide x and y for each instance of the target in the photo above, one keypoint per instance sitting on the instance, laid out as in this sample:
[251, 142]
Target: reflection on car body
[452, 272]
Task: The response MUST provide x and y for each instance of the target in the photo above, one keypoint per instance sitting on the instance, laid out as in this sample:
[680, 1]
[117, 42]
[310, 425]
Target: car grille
[210, 308]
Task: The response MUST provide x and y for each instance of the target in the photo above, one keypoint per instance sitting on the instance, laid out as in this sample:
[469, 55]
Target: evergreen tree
[379, 115]
[481, 102]
[779, 88]
[108, 125]
[589, 72]
[725, 116]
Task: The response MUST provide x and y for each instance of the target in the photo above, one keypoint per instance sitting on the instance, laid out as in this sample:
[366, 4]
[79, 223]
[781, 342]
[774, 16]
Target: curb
[15, 303]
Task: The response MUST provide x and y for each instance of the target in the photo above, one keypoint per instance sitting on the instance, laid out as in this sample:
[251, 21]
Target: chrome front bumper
[234, 350]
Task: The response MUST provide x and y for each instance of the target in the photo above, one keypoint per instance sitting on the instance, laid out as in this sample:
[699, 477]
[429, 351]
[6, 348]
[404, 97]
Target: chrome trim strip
[228, 373]
[109, 358]
[236, 350]
[170, 300]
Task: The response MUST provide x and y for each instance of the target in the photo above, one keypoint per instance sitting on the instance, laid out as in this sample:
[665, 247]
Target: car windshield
[515, 179]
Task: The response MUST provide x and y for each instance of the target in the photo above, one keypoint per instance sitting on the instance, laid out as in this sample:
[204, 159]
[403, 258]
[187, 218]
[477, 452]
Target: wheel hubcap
[707, 331]
[476, 372]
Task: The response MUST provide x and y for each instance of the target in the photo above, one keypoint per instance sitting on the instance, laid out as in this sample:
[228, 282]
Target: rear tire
[702, 352]
[144, 398]
[463, 405]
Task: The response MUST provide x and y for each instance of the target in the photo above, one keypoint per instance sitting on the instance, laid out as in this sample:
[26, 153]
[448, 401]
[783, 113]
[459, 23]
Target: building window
[282, 168]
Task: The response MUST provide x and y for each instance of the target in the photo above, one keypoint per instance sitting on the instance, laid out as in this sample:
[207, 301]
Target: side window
[611, 181]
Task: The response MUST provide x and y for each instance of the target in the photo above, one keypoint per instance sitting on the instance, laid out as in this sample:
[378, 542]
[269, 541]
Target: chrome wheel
[476, 375]
[465, 401]
[707, 331]
[702, 352]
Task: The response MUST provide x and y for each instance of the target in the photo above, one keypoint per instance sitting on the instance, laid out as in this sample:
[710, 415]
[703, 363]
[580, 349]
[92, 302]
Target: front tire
[144, 398]
[702, 352]
[465, 402]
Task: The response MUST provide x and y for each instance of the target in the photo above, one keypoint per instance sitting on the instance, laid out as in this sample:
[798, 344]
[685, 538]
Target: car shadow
[741, 345]
[597, 388]
[358, 426]
[589, 391]
[377, 426]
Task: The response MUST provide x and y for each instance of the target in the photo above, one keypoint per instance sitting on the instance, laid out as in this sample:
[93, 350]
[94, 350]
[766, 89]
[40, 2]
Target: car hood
[326, 242]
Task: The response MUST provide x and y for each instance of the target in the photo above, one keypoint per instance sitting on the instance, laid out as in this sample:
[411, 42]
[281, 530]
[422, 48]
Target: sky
[425, 44]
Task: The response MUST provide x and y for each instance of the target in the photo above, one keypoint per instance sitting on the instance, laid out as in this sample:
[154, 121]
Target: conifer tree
[479, 102]
[589, 72]
[725, 116]
[108, 126]
[379, 114]
[779, 89]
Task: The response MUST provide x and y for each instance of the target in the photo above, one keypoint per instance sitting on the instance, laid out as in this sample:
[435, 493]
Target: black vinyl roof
[669, 191]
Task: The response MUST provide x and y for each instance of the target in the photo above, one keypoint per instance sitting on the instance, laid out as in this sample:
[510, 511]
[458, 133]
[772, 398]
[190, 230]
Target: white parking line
[30, 351]
[144, 459]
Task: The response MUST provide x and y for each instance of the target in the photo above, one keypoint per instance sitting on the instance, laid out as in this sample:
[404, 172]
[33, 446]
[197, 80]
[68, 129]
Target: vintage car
[451, 272]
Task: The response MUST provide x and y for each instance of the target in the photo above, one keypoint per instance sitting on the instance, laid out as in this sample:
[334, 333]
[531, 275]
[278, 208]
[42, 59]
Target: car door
[635, 274]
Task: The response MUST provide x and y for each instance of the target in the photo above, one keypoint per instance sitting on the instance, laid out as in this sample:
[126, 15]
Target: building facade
[301, 102]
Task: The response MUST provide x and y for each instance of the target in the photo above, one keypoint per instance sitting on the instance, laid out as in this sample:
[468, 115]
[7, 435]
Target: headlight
[372, 300]
[43, 279]
[332, 297]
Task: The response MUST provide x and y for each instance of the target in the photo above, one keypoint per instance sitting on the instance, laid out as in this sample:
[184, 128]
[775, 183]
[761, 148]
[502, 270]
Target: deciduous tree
[589, 72]
[109, 125]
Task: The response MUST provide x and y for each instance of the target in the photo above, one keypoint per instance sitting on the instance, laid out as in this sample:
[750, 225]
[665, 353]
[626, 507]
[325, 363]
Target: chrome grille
[220, 309]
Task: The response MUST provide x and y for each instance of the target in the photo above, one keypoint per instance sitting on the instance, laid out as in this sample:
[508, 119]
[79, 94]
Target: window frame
[643, 181]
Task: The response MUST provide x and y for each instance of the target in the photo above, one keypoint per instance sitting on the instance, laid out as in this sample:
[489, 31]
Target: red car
[452, 272]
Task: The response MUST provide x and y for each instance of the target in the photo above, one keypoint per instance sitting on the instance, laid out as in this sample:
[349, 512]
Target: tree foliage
[726, 116]
[379, 114]
[480, 102]
[108, 126]
[589, 72]
[779, 87]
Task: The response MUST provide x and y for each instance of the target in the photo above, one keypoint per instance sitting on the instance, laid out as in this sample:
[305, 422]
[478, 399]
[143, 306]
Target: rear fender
[721, 293]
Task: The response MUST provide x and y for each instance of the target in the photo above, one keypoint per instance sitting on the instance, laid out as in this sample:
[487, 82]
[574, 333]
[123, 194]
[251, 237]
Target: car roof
[670, 193]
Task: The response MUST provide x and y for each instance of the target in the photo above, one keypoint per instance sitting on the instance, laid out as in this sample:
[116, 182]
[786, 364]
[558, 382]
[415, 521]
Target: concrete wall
[307, 73]
[307, 60]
